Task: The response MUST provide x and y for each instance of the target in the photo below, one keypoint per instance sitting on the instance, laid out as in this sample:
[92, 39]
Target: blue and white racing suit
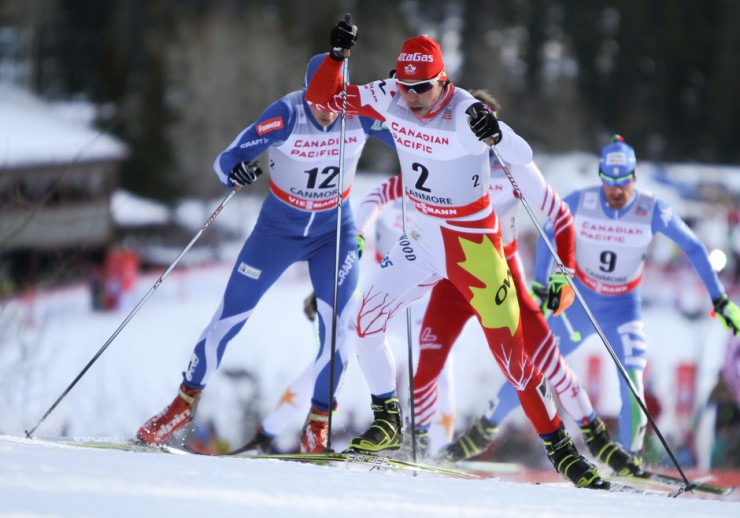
[611, 247]
[297, 222]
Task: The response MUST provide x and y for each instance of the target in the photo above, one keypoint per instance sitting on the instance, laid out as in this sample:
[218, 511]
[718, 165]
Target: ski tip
[616, 487]
[714, 490]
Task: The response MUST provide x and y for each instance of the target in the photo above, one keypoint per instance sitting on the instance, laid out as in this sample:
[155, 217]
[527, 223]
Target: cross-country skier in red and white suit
[453, 235]
[447, 313]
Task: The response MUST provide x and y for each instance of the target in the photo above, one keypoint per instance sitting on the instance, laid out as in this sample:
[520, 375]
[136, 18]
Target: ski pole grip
[474, 115]
[348, 21]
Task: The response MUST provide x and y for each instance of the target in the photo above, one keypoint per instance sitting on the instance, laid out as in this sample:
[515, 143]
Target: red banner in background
[685, 390]
[593, 379]
[119, 276]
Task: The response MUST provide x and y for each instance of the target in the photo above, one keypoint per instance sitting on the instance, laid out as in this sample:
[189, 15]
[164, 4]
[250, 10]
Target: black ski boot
[259, 445]
[422, 444]
[472, 443]
[386, 431]
[573, 466]
[607, 451]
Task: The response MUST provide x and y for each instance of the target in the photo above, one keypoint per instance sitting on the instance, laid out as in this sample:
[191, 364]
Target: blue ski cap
[313, 65]
[617, 159]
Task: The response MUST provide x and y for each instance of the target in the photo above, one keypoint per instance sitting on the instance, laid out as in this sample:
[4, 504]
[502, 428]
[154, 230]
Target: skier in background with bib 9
[614, 225]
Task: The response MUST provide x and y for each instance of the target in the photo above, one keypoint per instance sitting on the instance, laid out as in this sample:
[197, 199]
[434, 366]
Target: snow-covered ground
[38, 479]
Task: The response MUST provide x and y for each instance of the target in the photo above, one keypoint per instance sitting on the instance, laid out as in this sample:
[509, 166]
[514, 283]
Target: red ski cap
[420, 59]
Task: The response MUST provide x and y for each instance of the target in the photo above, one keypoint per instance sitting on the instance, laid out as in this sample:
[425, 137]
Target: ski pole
[29, 433]
[410, 346]
[575, 336]
[471, 112]
[340, 189]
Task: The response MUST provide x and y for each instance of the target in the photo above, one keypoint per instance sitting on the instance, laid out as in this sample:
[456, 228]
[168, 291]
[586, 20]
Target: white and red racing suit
[454, 234]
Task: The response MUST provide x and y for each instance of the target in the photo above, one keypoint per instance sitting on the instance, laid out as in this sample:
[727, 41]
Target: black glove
[310, 309]
[483, 122]
[343, 37]
[244, 173]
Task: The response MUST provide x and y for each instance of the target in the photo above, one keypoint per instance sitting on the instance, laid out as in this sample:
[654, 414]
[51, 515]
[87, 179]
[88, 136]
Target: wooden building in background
[57, 175]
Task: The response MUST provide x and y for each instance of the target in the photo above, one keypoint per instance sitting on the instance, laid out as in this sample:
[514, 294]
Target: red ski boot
[177, 414]
[315, 434]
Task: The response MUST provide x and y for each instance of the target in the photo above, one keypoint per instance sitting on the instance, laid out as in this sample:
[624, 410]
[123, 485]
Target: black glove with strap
[244, 173]
[342, 39]
[484, 123]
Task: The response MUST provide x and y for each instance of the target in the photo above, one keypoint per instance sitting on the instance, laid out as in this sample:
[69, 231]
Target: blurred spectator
[726, 450]
[731, 368]
[725, 396]
[735, 243]
[654, 451]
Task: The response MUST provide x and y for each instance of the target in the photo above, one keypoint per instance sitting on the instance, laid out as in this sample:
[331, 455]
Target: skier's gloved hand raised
[483, 122]
[244, 173]
[343, 37]
[728, 313]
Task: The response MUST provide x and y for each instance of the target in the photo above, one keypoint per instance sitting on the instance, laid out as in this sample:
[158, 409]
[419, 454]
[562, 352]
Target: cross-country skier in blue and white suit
[614, 225]
[297, 222]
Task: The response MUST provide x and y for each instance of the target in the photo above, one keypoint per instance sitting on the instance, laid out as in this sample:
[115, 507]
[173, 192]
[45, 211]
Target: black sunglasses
[417, 88]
